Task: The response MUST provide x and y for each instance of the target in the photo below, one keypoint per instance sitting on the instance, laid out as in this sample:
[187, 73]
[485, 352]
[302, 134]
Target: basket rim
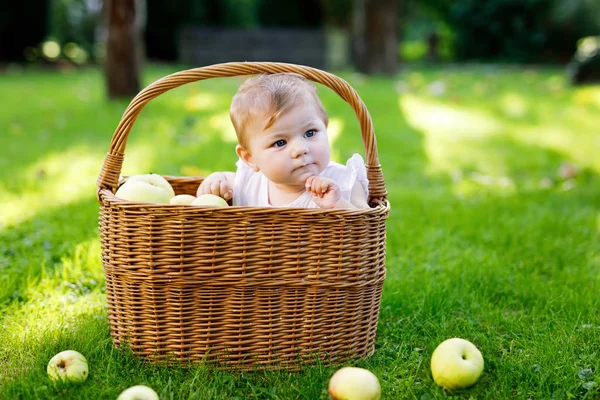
[107, 196]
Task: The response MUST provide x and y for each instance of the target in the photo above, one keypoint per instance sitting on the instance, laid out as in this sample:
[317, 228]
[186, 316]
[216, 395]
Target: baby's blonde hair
[272, 94]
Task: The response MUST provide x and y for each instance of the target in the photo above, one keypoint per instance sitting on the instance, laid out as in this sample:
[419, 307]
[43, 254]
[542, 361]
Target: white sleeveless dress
[252, 188]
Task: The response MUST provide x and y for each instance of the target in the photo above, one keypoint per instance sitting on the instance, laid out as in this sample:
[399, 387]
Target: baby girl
[283, 151]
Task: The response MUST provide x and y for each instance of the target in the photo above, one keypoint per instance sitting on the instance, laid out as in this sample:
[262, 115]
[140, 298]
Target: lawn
[493, 236]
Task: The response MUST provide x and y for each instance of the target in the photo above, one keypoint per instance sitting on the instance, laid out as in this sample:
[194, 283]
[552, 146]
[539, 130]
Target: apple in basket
[139, 392]
[210, 200]
[148, 188]
[68, 366]
[351, 383]
[456, 364]
[182, 199]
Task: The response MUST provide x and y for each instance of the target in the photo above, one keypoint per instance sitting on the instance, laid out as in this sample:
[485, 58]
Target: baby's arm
[219, 184]
[358, 197]
[326, 194]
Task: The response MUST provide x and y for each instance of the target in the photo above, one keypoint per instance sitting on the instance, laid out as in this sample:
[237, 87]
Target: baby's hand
[217, 184]
[324, 192]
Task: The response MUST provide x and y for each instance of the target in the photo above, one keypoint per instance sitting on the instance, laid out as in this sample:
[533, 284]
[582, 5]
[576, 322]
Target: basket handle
[111, 169]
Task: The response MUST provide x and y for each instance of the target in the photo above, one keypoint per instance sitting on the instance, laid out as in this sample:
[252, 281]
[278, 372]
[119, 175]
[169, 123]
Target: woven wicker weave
[242, 287]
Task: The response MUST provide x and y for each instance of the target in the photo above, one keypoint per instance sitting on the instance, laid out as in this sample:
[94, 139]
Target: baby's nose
[299, 149]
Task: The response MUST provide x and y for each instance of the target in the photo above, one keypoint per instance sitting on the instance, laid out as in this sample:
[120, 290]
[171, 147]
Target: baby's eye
[310, 133]
[279, 143]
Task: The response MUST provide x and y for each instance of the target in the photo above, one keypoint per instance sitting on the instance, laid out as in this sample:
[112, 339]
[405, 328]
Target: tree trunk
[375, 39]
[124, 47]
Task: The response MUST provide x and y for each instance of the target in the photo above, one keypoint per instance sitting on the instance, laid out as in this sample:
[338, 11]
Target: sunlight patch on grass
[63, 178]
[449, 123]
[222, 124]
[334, 130]
[557, 138]
[587, 96]
[200, 102]
[58, 179]
[457, 137]
[416, 79]
[475, 183]
[514, 105]
[448, 130]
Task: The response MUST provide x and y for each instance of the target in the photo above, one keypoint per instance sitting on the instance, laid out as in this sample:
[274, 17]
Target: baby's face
[294, 148]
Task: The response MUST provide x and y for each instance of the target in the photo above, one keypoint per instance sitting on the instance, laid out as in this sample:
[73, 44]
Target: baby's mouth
[305, 165]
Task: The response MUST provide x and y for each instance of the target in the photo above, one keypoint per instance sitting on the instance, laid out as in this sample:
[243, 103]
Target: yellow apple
[182, 199]
[68, 366]
[351, 383]
[456, 364]
[139, 392]
[149, 188]
[154, 179]
[209, 200]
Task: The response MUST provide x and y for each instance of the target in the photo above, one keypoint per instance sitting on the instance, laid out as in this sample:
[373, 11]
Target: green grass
[485, 240]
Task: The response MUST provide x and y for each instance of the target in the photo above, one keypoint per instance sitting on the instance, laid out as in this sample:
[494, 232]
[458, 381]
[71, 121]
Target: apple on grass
[182, 199]
[148, 188]
[139, 392]
[68, 366]
[456, 364]
[351, 383]
[209, 200]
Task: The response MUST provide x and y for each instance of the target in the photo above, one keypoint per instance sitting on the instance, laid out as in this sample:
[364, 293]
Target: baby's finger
[202, 188]
[323, 187]
[224, 190]
[309, 183]
[214, 187]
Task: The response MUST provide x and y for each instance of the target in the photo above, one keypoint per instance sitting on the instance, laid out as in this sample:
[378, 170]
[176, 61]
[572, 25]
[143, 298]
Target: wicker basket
[242, 287]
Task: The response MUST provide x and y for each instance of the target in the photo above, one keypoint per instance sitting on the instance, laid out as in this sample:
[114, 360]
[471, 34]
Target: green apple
[351, 383]
[456, 364]
[209, 200]
[182, 199]
[68, 366]
[148, 188]
[139, 392]
[154, 179]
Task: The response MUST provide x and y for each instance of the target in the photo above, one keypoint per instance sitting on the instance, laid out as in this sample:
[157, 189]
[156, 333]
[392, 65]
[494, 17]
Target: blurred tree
[337, 13]
[514, 30]
[74, 21]
[165, 19]
[375, 36]
[239, 13]
[291, 13]
[22, 24]
[585, 65]
[124, 48]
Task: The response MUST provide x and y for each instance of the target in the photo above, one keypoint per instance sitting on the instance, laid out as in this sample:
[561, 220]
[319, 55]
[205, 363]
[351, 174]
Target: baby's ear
[246, 157]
